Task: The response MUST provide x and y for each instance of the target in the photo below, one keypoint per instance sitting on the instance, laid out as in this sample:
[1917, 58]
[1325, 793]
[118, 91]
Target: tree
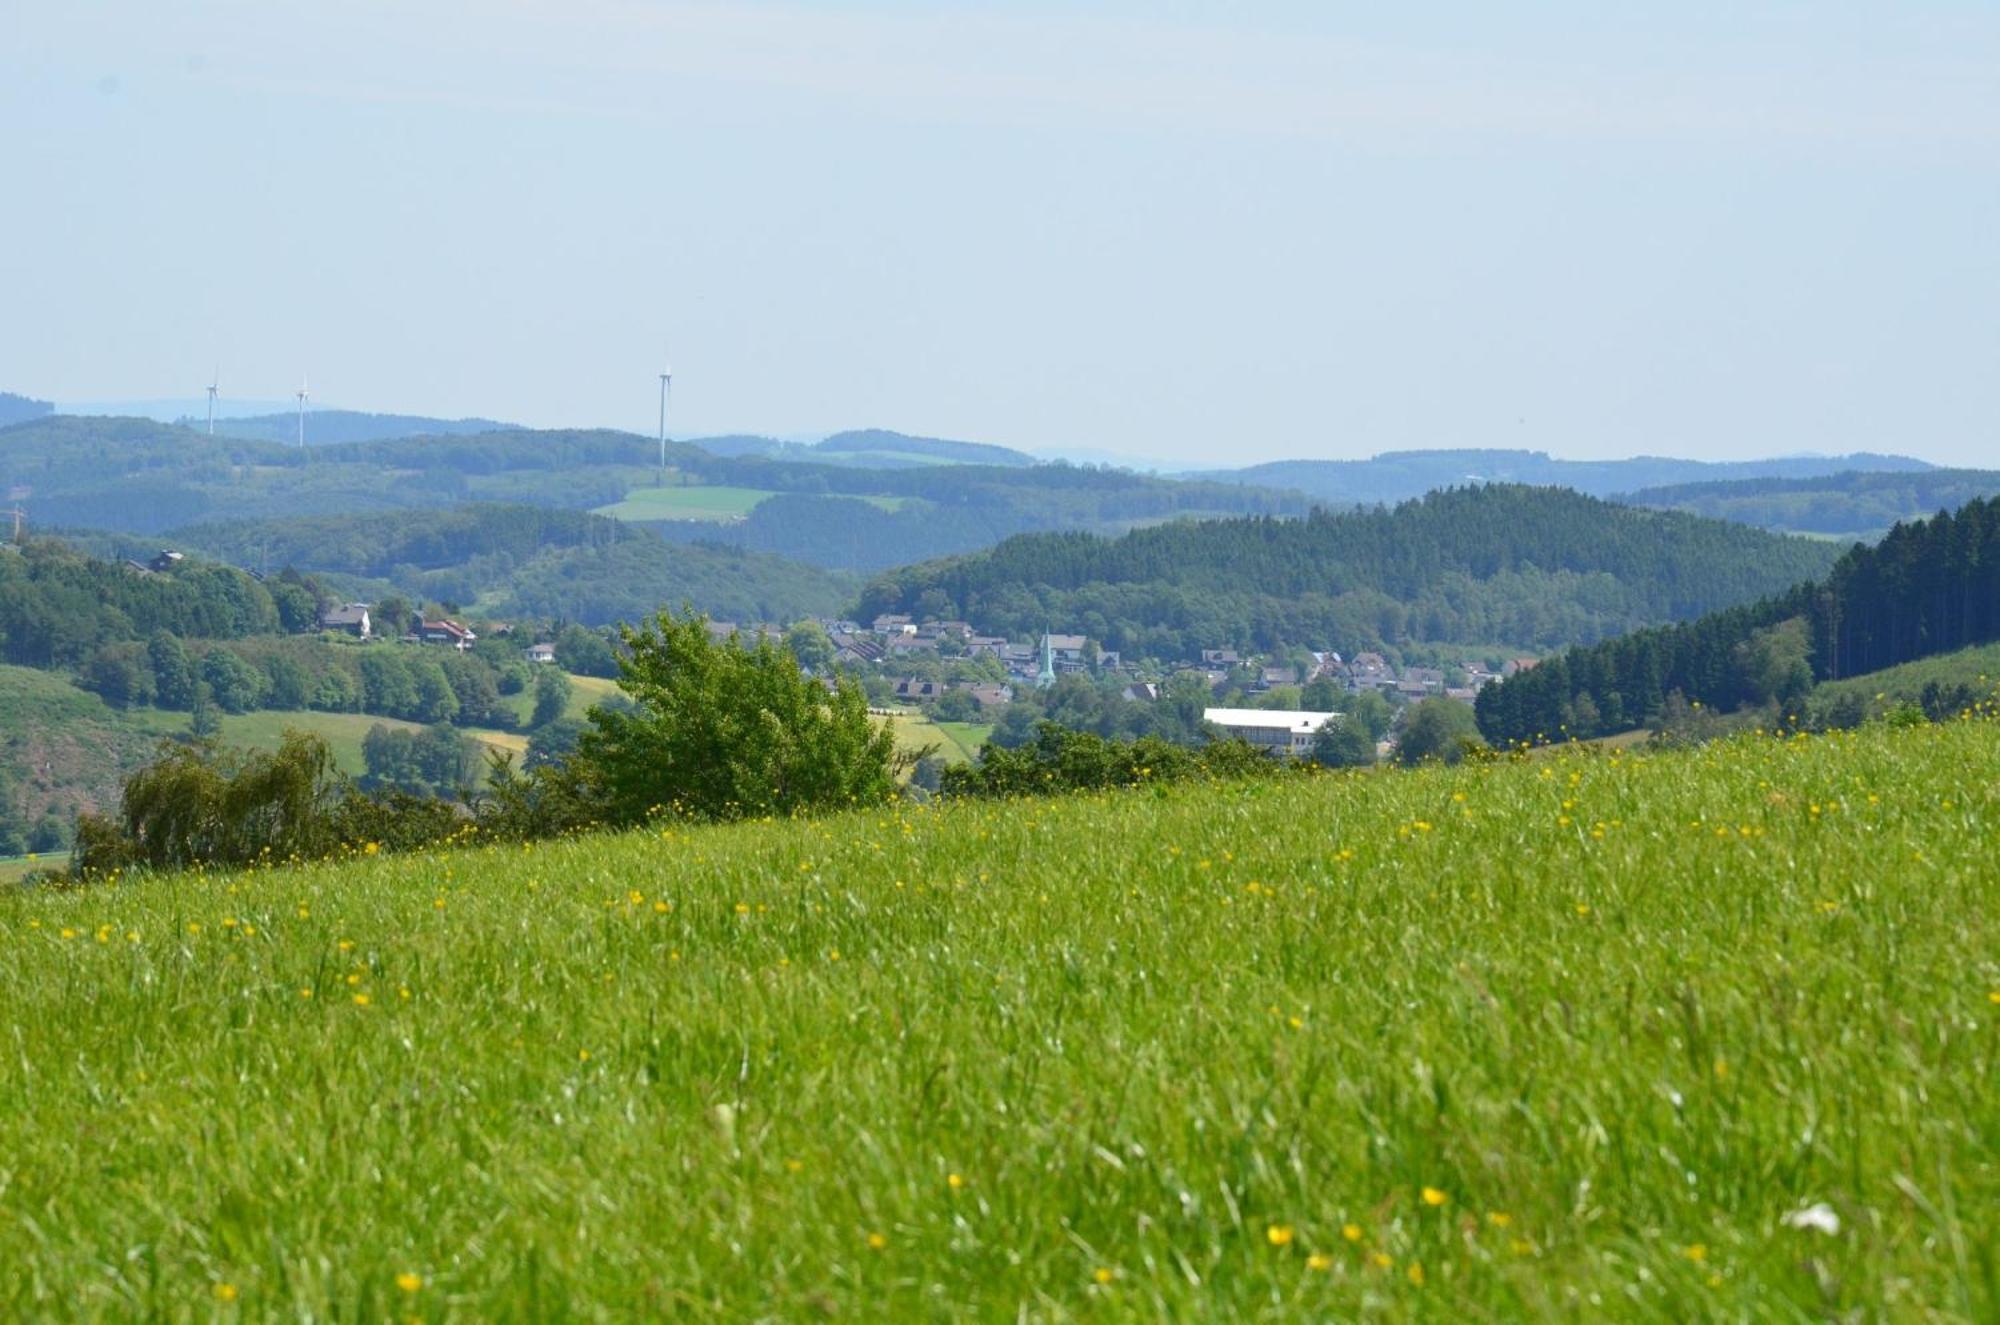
[204, 719]
[552, 695]
[1438, 728]
[552, 743]
[1344, 742]
[721, 732]
[386, 687]
[811, 645]
[1372, 711]
[584, 652]
[173, 674]
[435, 700]
[236, 686]
[121, 673]
[392, 616]
[287, 682]
[1320, 695]
[956, 706]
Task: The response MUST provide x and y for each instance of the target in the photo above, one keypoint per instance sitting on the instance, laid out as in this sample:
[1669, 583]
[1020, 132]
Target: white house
[1281, 732]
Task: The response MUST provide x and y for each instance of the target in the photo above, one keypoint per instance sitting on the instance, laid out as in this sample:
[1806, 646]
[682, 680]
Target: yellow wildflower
[1432, 1196]
[1279, 1235]
[409, 1282]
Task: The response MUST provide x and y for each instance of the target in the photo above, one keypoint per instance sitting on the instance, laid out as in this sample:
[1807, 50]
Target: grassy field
[1690, 1036]
[1977, 668]
[716, 502]
[956, 742]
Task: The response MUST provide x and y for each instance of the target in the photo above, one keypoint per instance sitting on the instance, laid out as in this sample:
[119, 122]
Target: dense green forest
[1524, 567]
[1849, 505]
[1400, 475]
[515, 560]
[57, 606]
[1927, 588]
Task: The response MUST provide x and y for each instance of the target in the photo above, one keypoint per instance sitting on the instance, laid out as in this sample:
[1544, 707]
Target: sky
[1197, 234]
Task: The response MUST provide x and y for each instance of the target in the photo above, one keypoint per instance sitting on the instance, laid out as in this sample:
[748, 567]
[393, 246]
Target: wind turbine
[214, 383]
[666, 388]
[302, 410]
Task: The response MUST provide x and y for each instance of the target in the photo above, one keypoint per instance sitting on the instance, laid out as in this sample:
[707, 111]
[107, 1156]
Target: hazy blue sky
[1200, 232]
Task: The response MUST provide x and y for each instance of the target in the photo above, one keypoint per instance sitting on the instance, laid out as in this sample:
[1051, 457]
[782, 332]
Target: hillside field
[1703, 1035]
[715, 502]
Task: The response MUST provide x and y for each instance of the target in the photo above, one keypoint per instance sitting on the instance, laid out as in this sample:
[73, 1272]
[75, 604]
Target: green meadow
[1702, 1035]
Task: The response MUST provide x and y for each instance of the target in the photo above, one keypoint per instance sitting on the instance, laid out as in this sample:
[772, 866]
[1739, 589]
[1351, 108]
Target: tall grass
[1579, 1038]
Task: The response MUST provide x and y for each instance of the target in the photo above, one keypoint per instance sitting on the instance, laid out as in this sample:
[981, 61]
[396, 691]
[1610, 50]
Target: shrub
[721, 731]
[1061, 759]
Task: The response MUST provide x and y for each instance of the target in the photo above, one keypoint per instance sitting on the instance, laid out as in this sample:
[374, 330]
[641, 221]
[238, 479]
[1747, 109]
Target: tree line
[1929, 587]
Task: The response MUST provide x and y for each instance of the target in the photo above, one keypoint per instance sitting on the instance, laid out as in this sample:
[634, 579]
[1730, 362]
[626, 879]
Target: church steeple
[1047, 676]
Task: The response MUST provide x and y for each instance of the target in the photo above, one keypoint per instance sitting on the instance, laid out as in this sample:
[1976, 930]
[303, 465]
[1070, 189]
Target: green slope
[1570, 1038]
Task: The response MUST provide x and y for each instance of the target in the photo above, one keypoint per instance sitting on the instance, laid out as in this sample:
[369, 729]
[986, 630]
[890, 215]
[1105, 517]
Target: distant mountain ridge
[1849, 504]
[19, 409]
[874, 448]
[327, 427]
[1400, 475]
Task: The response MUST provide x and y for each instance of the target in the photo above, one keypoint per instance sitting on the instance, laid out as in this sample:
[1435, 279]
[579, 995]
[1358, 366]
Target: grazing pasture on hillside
[1694, 1035]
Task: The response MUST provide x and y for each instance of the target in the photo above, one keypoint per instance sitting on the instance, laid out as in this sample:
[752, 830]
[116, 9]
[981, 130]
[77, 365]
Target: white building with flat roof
[1284, 732]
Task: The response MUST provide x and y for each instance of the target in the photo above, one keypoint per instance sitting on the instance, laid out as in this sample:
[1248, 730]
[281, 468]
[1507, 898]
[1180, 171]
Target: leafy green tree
[122, 673]
[721, 732]
[584, 652]
[386, 685]
[956, 706]
[552, 742]
[287, 682]
[1344, 743]
[552, 694]
[435, 700]
[474, 685]
[235, 685]
[811, 645]
[1441, 729]
[335, 691]
[1372, 711]
[173, 674]
[204, 718]
[1321, 695]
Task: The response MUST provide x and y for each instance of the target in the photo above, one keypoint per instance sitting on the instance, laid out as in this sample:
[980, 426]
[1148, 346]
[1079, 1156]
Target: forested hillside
[1400, 475]
[329, 426]
[1849, 505]
[137, 476]
[516, 560]
[19, 409]
[1928, 588]
[1526, 567]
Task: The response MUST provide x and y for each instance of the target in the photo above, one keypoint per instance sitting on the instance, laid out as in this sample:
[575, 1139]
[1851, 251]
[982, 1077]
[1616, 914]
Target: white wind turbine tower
[666, 389]
[214, 384]
[301, 393]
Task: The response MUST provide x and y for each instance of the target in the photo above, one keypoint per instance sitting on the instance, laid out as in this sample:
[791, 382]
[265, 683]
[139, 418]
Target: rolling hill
[332, 426]
[140, 477]
[1525, 567]
[1851, 505]
[1400, 475]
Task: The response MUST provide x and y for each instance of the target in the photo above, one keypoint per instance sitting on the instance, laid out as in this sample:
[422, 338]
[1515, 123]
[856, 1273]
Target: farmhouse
[351, 619]
[540, 653]
[445, 632]
[1283, 733]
